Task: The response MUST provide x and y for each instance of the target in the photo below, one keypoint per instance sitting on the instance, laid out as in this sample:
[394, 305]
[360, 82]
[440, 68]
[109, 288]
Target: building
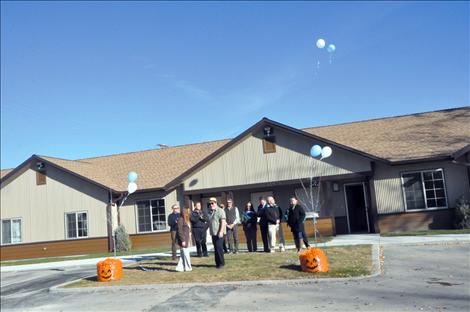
[389, 174]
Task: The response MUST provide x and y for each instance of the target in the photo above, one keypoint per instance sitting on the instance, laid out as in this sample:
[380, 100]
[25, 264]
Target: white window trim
[424, 189]
[76, 222]
[136, 209]
[11, 229]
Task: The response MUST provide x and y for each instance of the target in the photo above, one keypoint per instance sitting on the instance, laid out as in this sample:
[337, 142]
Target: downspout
[109, 221]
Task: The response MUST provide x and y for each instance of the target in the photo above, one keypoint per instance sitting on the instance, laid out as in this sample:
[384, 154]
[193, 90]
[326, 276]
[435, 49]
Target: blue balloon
[331, 48]
[132, 176]
[315, 151]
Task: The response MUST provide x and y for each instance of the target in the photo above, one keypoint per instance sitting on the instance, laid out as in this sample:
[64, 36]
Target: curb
[376, 271]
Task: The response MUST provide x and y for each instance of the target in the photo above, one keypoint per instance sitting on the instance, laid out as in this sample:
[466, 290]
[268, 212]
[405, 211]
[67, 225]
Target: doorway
[356, 208]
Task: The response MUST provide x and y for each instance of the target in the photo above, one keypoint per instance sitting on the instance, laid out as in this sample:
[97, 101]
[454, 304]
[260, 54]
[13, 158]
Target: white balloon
[132, 187]
[326, 152]
[331, 48]
[321, 43]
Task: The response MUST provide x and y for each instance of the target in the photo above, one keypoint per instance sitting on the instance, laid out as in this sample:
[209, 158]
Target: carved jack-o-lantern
[313, 260]
[109, 269]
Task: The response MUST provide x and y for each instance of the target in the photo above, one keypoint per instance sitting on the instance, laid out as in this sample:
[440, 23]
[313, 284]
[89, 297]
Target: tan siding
[128, 211]
[245, 163]
[152, 240]
[387, 183]
[43, 207]
[423, 220]
[54, 249]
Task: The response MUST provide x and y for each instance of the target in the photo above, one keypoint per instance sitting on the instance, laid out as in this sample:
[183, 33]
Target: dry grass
[344, 262]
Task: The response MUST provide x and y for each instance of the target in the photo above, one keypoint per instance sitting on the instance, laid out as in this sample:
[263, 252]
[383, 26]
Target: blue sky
[82, 79]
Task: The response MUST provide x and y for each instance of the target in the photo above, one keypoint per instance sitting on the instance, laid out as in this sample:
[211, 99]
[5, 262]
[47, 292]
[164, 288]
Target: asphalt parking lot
[415, 278]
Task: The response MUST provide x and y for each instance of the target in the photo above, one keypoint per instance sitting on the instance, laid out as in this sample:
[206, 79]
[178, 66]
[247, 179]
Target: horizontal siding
[325, 227]
[413, 221]
[153, 240]
[54, 249]
[140, 241]
[245, 163]
[42, 208]
[388, 188]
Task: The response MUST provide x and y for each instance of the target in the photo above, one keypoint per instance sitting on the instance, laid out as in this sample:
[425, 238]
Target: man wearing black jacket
[272, 216]
[199, 228]
[263, 222]
[295, 220]
[173, 224]
[279, 232]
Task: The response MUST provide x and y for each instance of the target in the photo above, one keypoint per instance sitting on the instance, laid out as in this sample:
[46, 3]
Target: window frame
[136, 209]
[76, 222]
[11, 228]
[421, 172]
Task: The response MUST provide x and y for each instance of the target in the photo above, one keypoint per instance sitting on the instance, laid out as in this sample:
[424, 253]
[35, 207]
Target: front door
[356, 205]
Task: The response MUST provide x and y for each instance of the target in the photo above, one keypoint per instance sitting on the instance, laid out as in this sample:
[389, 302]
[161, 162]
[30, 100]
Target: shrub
[462, 213]
[123, 242]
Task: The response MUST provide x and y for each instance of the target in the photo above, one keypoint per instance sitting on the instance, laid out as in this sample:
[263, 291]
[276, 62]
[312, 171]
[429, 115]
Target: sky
[84, 79]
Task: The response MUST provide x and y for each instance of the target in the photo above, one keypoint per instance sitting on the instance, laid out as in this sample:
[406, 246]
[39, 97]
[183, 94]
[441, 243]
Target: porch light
[335, 187]
[267, 131]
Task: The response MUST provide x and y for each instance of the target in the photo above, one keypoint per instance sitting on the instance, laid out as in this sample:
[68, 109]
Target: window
[424, 189]
[11, 231]
[151, 215]
[77, 224]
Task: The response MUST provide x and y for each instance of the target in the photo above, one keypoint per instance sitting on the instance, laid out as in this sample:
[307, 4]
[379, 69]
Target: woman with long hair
[184, 241]
[249, 221]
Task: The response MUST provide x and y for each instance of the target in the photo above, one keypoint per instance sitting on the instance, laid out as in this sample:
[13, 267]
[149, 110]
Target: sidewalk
[340, 240]
[359, 239]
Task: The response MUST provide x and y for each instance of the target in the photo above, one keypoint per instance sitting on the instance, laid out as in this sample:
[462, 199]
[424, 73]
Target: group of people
[222, 224]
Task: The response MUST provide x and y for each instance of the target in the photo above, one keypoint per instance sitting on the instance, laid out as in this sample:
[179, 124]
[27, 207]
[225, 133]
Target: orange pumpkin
[109, 269]
[313, 260]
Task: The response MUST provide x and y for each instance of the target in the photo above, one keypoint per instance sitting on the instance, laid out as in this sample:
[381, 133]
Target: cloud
[187, 87]
[268, 93]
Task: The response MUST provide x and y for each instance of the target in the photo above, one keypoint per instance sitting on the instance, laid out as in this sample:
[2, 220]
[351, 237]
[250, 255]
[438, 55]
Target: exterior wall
[54, 249]
[415, 221]
[245, 163]
[42, 208]
[128, 212]
[151, 240]
[388, 188]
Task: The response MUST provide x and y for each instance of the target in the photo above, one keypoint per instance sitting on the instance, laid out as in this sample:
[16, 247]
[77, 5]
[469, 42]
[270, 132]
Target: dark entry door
[357, 209]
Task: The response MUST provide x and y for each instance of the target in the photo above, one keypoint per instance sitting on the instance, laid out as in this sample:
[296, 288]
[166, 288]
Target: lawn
[427, 232]
[344, 261]
[110, 254]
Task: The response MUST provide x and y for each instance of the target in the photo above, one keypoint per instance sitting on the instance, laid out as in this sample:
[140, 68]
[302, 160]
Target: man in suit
[295, 220]
[263, 222]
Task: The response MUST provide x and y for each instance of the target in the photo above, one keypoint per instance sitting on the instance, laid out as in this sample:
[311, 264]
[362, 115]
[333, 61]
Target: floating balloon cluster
[132, 177]
[321, 43]
[324, 152]
[331, 48]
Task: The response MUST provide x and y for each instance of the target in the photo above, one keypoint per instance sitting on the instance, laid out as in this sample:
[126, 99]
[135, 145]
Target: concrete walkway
[340, 240]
